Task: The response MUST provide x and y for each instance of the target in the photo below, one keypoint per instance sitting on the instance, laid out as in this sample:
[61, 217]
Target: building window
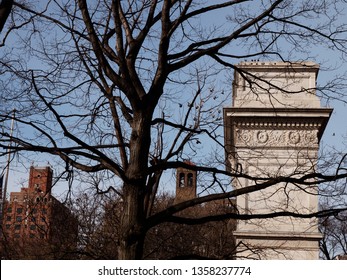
[9, 210]
[190, 180]
[19, 218]
[32, 227]
[181, 180]
[33, 219]
[19, 210]
[37, 187]
[8, 226]
[31, 235]
[17, 227]
[16, 235]
[8, 218]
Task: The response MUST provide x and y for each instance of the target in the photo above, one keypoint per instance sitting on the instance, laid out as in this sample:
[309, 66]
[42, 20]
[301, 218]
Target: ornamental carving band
[276, 138]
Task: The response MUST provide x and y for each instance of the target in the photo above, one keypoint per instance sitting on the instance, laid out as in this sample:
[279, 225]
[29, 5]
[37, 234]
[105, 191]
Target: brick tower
[40, 180]
[185, 183]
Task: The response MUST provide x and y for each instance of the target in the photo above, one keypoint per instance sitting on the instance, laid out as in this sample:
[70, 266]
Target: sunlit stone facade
[273, 129]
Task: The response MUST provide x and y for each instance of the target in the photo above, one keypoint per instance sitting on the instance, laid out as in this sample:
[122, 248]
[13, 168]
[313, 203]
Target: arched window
[181, 180]
[190, 180]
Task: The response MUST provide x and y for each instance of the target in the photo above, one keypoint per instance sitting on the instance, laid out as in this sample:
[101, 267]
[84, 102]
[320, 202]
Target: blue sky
[333, 138]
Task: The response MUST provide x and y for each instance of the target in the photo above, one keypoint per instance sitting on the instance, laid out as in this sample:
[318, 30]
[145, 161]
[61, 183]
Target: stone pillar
[273, 129]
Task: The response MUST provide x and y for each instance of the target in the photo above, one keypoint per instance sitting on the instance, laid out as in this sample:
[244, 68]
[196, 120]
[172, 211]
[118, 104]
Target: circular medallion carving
[310, 137]
[262, 136]
[294, 137]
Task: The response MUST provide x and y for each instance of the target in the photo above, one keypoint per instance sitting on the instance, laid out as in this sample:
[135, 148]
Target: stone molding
[276, 138]
[277, 125]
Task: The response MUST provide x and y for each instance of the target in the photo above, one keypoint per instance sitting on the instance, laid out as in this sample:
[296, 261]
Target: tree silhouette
[126, 91]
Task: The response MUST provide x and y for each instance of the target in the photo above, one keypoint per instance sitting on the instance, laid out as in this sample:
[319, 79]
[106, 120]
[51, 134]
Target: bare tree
[96, 238]
[334, 242]
[99, 216]
[130, 89]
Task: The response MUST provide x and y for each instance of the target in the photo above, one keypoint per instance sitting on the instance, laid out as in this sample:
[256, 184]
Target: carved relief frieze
[276, 138]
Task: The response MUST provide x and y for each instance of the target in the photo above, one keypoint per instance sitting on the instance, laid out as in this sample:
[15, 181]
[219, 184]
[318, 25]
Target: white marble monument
[273, 129]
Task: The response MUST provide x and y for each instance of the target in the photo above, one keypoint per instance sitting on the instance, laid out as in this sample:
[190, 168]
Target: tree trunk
[133, 220]
[132, 225]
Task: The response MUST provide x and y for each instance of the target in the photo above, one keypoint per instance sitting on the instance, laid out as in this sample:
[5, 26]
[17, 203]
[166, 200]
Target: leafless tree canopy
[127, 90]
[334, 242]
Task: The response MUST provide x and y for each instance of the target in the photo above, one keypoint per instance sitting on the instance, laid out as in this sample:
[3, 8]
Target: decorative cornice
[275, 119]
[277, 125]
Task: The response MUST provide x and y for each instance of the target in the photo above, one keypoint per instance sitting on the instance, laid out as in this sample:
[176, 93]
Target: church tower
[185, 183]
[273, 129]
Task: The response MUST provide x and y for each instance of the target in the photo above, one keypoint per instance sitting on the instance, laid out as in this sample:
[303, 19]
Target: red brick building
[35, 223]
